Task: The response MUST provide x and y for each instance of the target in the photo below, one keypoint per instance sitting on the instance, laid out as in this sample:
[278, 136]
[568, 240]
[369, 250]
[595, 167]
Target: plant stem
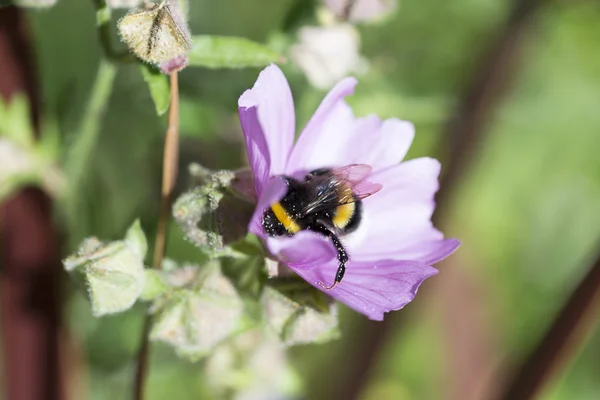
[170, 162]
[169, 177]
[103, 18]
[87, 133]
[82, 149]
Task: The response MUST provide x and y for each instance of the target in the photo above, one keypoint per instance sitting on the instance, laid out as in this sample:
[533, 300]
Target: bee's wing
[353, 177]
[365, 189]
[350, 183]
[352, 173]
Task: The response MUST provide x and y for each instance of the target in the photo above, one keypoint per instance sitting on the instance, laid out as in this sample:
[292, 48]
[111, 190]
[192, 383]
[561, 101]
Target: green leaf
[298, 322]
[230, 52]
[159, 88]
[15, 122]
[255, 365]
[154, 285]
[49, 144]
[25, 162]
[113, 272]
[209, 215]
[115, 283]
[195, 320]
[135, 239]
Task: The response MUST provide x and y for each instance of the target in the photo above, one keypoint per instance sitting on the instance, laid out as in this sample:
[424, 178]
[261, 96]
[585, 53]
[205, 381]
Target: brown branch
[170, 163]
[469, 340]
[462, 137]
[29, 251]
[565, 336]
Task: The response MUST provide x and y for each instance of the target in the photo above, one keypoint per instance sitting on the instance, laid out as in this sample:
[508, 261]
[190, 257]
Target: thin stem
[89, 128]
[169, 177]
[142, 361]
[103, 18]
[170, 162]
[82, 149]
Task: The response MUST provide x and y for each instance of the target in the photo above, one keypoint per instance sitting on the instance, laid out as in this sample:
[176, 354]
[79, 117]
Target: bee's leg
[341, 253]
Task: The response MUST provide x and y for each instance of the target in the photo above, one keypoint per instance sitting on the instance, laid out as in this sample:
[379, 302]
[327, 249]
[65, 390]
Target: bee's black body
[323, 203]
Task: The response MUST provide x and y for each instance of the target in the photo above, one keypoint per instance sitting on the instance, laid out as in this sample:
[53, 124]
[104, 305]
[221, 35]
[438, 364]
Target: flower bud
[211, 216]
[158, 35]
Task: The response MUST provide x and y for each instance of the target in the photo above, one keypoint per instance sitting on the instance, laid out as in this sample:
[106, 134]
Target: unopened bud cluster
[158, 35]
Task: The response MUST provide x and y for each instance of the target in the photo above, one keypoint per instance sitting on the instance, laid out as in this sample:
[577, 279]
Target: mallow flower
[394, 245]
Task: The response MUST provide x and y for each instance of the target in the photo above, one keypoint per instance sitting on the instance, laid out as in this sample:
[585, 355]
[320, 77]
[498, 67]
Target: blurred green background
[527, 211]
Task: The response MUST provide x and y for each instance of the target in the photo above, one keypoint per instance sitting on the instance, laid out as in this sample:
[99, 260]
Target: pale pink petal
[256, 147]
[273, 100]
[379, 144]
[303, 250]
[319, 144]
[430, 252]
[335, 137]
[399, 216]
[394, 140]
[372, 288]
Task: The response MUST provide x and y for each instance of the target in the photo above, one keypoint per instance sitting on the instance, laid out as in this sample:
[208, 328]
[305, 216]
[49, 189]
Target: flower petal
[272, 97]
[430, 252]
[372, 288]
[274, 191]
[329, 126]
[399, 216]
[379, 144]
[304, 250]
[393, 141]
[335, 137]
[256, 147]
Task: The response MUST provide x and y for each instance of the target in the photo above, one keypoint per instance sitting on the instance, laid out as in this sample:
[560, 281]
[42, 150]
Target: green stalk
[81, 152]
[103, 18]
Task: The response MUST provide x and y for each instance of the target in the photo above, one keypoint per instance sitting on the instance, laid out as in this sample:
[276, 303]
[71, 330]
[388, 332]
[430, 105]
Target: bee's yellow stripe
[343, 215]
[282, 215]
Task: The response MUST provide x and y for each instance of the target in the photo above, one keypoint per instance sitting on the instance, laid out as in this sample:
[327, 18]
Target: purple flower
[391, 251]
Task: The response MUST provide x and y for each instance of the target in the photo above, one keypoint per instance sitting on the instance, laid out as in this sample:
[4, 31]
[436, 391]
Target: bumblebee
[328, 202]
